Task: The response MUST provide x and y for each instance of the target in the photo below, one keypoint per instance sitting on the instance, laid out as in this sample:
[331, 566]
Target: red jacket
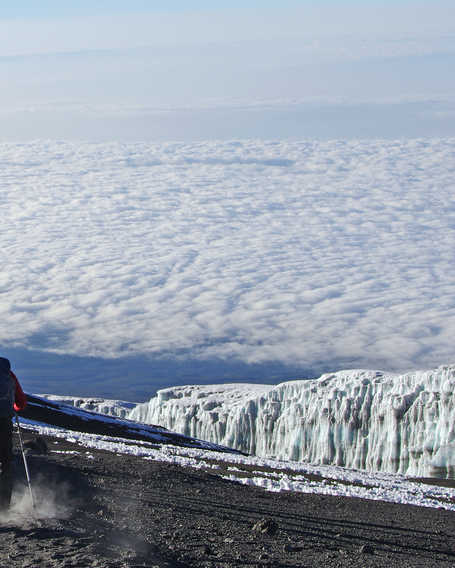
[20, 400]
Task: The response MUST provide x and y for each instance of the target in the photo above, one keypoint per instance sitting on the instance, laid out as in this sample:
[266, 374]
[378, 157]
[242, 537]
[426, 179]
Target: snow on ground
[334, 254]
[272, 475]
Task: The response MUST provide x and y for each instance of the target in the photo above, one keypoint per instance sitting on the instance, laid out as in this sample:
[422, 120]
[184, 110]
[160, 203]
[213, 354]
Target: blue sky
[57, 8]
[102, 70]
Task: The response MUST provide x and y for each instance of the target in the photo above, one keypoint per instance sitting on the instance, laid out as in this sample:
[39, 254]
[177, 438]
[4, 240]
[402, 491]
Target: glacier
[117, 408]
[361, 419]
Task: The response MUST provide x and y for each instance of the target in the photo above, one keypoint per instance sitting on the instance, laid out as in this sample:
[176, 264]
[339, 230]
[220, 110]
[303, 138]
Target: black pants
[6, 462]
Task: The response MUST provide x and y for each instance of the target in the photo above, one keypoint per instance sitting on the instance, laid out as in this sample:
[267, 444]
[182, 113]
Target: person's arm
[20, 400]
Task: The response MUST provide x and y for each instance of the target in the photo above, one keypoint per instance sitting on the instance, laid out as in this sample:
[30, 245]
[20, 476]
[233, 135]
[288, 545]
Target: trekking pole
[25, 461]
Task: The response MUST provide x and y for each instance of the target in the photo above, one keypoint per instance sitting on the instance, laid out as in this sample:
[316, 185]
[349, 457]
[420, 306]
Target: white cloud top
[309, 253]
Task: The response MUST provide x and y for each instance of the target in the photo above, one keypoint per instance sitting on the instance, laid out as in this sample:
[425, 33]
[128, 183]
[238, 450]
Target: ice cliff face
[118, 408]
[357, 419]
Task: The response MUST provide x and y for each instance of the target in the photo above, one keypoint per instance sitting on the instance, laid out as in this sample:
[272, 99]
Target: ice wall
[358, 419]
[118, 408]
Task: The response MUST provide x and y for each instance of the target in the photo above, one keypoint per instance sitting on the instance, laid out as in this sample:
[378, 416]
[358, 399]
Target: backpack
[7, 389]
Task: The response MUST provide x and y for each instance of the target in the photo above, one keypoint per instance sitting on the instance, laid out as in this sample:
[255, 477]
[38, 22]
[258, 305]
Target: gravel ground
[98, 509]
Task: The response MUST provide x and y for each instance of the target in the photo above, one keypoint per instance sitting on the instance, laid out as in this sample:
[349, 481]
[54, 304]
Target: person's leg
[6, 462]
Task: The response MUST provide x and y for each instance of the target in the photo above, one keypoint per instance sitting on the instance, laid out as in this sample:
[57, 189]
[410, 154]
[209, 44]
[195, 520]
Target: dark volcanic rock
[266, 526]
[37, 445]
[125, 512]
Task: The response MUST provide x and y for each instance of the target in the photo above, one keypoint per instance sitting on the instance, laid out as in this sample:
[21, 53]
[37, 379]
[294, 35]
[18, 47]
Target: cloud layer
[295, 252]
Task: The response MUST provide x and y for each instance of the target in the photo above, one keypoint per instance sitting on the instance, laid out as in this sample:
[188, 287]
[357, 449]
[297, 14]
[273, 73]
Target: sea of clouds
[316, 254]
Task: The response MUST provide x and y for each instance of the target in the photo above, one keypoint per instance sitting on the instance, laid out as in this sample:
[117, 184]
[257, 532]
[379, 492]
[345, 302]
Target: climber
[12, 399]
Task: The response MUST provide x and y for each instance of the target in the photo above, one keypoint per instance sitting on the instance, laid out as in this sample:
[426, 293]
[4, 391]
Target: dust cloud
[44, 502]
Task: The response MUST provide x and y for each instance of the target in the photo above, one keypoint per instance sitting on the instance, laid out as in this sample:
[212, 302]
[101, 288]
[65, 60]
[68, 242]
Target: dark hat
[5, 365]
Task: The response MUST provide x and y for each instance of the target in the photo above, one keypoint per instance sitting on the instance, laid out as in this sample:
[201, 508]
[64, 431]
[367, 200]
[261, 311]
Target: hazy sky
[145, 70]
[57, 9]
